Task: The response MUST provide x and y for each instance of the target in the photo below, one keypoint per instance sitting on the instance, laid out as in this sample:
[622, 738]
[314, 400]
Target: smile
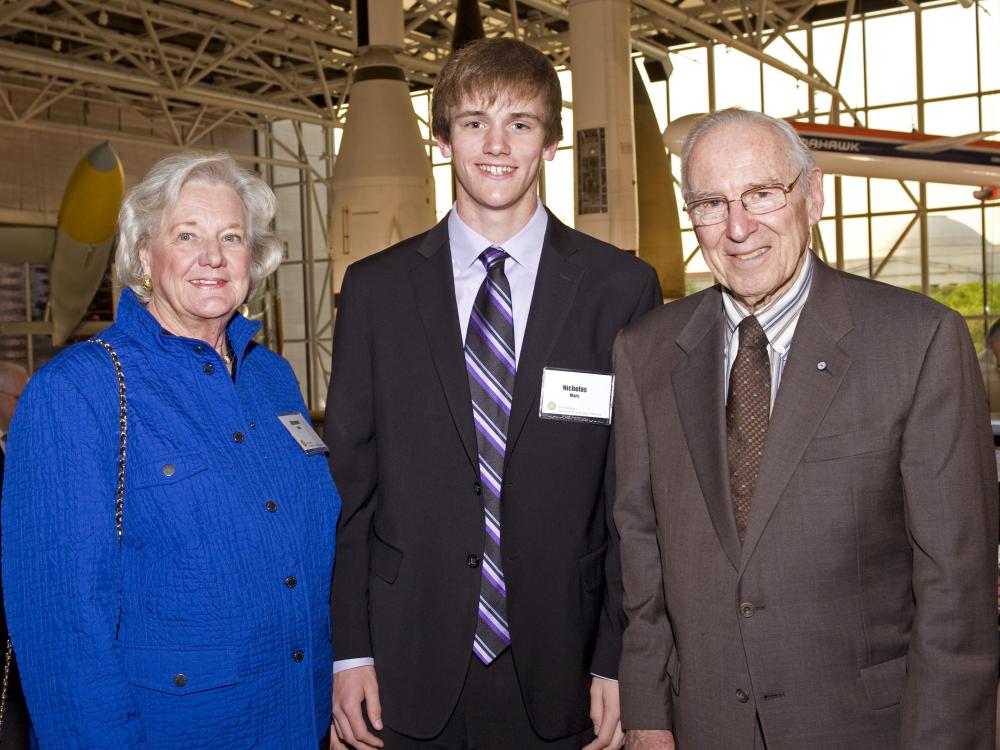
[495, 169]
[208, 283]
[751, 255]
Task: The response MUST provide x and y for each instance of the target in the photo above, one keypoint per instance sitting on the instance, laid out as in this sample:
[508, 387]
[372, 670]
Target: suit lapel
[555, 288]
[434, 290]
[700, 397]
[812, 376]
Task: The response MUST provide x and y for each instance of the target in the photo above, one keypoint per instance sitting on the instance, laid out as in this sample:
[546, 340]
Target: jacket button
[477, 488]
[298, 655]
[168, 470]
[747, 609]
[208, 368]
[180, 680]
[741, 695]
[238, 437]
[472, 561]
[290, 582]
[198, 349]
[270, 506]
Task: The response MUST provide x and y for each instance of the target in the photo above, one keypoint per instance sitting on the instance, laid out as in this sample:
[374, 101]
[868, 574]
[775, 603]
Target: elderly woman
[205, 624]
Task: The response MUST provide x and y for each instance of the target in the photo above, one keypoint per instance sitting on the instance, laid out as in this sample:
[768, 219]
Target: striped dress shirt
[778, 319]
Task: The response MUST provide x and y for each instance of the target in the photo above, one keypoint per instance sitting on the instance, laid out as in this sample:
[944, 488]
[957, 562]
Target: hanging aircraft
[866, 152]
[77, 249]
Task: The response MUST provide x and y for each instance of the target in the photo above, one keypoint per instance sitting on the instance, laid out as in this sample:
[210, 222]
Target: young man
[450, 637]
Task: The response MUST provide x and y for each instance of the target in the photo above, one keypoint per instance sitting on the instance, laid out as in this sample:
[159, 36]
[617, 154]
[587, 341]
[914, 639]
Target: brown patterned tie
[747, 415]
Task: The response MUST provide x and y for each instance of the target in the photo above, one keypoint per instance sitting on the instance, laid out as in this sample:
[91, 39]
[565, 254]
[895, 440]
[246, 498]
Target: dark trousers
[490, 715]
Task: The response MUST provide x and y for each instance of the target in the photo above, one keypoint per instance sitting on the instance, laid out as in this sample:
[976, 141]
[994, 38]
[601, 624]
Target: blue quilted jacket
[209, 626]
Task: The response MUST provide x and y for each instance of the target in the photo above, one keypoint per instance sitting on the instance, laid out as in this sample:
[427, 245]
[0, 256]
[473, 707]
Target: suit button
[290, 582]
[168, 470]
[198, 349]
[472, 561]
[208, 368]
[298, 655]
[477, 488]
[270, 506]
[747, 609]
[741, 695]
[238, 437]
[180, 680]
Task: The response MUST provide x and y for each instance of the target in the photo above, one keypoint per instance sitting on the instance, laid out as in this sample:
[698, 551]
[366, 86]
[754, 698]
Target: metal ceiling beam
[77, 70]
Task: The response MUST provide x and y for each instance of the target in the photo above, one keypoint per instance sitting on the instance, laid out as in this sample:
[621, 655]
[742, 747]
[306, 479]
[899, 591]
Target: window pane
[949, 46]
[989, 43]
[952, 117]
[855, 246]
[894, 118]
[891, 55]
[737, 79]
[954, 250]
[889, 195]
[903, 267]
[784, 95]
[688, 83]
[940, 195]
[827, 41]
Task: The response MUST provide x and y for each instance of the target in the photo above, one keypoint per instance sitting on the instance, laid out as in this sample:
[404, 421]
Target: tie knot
[492, 256]
[751, 332]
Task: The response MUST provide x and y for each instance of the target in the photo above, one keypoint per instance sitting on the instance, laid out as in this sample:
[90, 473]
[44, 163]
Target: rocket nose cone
[102, 157]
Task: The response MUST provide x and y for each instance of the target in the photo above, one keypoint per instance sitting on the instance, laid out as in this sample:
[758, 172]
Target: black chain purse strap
[119, 503]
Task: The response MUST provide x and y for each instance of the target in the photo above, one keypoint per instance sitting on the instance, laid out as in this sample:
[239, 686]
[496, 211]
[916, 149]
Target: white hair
[799, 153]
[147, 205]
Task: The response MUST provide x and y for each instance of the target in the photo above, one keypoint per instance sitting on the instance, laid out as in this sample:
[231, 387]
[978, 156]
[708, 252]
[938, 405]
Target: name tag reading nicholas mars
[300, 429]
[576, 396]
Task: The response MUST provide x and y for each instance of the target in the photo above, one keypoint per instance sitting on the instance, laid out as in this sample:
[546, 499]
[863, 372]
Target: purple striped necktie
[489, 359]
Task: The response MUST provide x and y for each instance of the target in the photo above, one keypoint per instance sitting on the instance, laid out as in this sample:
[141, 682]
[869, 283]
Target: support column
[606, 203]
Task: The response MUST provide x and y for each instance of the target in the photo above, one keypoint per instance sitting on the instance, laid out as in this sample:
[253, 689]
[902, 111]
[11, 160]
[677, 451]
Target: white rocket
[382, 186]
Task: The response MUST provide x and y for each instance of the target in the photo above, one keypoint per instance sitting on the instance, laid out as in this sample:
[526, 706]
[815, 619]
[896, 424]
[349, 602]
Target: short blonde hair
[147, 205]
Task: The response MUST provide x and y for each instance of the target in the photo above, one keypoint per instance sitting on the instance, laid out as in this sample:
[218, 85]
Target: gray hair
[799, 153]
[147, 205]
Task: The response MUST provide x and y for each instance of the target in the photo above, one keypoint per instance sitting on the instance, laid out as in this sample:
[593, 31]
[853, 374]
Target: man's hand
[605, 712]
[350, 688]
[649, 739]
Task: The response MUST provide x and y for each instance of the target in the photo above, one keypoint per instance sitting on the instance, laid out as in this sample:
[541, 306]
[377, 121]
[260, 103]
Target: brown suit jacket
[858, 611]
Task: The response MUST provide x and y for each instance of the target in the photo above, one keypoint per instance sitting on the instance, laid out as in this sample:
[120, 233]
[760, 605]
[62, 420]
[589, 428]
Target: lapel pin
[821, 365]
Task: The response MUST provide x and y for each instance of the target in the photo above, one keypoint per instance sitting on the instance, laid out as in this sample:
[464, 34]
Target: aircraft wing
[938, 145]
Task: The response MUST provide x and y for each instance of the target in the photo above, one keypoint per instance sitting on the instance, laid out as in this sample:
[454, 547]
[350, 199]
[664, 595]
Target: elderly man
[806, 491]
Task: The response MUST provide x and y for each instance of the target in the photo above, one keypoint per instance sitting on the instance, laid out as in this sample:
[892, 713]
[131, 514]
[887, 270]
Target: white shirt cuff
[342, 664]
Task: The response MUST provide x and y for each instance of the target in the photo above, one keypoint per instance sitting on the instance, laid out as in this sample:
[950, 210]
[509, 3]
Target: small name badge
[576, 396]
[301, 429]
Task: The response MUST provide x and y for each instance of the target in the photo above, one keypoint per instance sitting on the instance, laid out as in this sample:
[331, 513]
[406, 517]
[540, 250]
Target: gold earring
[147, 283]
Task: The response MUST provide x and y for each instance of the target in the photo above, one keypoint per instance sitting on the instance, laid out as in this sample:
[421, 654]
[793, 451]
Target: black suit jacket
[15, 723]
[404, 457]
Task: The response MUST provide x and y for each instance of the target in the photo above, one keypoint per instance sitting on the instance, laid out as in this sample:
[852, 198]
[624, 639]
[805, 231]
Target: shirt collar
[133, 316]
[525, 247]
[777, 314]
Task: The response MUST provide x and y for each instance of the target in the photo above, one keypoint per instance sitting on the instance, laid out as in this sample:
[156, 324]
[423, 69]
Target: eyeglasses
[757, 200]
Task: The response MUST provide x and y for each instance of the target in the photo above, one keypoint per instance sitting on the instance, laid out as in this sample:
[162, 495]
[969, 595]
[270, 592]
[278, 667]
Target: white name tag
[301, 429]
[576, 396]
